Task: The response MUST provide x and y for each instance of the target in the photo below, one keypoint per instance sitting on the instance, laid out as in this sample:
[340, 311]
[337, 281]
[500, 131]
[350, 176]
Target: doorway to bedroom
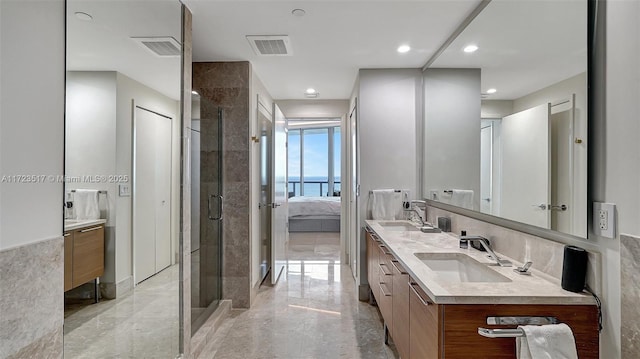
[314, 188]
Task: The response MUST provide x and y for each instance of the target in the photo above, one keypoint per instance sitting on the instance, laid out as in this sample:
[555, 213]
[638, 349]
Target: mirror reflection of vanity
[507, 120]
[122, 142]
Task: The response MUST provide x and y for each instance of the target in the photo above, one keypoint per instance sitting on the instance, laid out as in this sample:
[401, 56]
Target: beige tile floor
[312, 312]
[142, 324]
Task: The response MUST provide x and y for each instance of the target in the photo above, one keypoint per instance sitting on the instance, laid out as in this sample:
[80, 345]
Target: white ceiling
[104, 44]
[330, 43]
[524, 46]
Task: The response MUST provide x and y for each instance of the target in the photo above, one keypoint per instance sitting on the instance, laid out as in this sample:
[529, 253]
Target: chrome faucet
[485, 244]
[412, 205]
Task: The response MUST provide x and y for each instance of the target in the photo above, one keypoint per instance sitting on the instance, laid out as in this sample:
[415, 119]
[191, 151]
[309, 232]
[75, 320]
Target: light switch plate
[604, 219]
[124, 190]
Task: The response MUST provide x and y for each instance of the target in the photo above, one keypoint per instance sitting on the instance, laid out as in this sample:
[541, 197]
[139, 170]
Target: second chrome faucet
[487, 246]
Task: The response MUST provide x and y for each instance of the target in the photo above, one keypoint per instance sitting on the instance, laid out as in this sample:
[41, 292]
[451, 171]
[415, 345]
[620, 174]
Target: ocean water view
[314, 186]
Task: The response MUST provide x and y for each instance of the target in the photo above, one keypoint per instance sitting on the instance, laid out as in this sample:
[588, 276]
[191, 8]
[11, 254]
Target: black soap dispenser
[464, 244]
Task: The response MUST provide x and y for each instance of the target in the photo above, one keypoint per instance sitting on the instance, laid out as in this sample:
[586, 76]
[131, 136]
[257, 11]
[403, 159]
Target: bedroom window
[314, 157]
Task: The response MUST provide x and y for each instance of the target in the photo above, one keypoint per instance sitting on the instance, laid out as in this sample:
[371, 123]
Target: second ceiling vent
[270, 45]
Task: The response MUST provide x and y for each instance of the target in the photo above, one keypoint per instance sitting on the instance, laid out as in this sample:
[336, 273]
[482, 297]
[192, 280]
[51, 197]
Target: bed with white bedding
[314, 214]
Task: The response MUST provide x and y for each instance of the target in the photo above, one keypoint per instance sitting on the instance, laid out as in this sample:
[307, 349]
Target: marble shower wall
[630, 293]
[226, 85]
[31, 301]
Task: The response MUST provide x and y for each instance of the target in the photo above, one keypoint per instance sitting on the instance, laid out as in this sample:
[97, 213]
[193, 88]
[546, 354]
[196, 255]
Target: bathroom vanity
[83, 251]
[436, 298]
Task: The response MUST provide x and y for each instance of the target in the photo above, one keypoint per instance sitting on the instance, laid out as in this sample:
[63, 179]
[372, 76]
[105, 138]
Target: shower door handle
[220, 207]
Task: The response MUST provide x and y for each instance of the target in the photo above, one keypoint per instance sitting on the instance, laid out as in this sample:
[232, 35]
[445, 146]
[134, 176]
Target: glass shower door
[206, 210]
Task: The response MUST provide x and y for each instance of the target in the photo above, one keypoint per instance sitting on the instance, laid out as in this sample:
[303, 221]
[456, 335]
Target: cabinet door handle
[424, 302]
[382, 268]
[385, 250]
[382, 289]
[90, 229]
[66, 234]
[400, 269]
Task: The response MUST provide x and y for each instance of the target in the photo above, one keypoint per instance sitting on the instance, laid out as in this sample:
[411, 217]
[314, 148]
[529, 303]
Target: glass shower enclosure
[206, 209]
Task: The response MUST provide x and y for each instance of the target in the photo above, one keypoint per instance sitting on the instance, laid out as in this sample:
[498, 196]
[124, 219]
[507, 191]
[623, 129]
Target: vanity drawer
[461, 338]
[88, 254]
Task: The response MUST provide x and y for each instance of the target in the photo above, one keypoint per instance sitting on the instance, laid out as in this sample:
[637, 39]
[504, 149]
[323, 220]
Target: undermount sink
[458, 267]
[398, 226]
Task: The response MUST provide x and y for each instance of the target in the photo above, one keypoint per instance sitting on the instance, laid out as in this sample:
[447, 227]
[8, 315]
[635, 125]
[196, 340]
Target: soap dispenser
[464, 244]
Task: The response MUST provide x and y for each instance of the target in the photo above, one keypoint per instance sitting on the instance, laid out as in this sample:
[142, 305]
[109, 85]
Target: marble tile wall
[31, 301]
[226, 85]
[547, 256]
[630, 293]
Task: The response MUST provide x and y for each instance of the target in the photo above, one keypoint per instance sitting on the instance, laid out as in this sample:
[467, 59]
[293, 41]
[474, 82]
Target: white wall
[389, 106]
[496, 108]
[313, 108]
[256, 88]
[452, 132]
[143, 96]
[31, 119]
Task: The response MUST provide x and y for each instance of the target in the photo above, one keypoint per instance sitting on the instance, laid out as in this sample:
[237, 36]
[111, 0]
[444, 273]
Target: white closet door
[526, 166]
[163, 193]
[151, 194]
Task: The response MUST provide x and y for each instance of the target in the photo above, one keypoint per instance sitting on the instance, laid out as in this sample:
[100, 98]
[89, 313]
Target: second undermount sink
[398, 226]
[458, 267]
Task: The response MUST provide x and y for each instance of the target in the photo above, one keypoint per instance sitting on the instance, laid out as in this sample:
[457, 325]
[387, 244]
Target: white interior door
[151, 194]
[279, 194]
[486, 168]
[526, 166]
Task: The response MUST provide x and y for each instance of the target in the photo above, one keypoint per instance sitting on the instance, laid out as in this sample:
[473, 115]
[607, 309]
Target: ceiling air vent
[270, 45]
[165, 46]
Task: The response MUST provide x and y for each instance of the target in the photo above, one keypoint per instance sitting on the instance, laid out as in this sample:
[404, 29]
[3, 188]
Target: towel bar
[521, 320]
[500, 333]
[100, 191]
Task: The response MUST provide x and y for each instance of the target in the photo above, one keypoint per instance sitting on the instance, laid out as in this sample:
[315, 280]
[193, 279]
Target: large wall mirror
[122, 185]
[506, 116]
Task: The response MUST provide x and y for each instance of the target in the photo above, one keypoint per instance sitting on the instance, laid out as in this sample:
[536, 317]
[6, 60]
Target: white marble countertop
[537, 288]
[71, 224]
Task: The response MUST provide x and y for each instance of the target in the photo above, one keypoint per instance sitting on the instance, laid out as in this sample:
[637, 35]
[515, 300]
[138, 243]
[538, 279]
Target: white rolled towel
[553, 341]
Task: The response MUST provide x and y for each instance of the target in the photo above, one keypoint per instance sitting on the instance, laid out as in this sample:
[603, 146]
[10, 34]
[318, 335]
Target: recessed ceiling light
[471, 48]
[310, 91]
[491, 91]
[298, 12]
[404, 48]
[83, 16]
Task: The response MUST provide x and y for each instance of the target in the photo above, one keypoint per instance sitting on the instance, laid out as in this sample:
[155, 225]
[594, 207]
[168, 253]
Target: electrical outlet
[603, 216]
[604, 219]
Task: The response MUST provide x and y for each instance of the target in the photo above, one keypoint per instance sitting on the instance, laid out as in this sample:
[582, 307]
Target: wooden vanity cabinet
[372, 264]
[83, 255]
[385, 300]
[401, 313]
[425, 326]
[460, 328]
